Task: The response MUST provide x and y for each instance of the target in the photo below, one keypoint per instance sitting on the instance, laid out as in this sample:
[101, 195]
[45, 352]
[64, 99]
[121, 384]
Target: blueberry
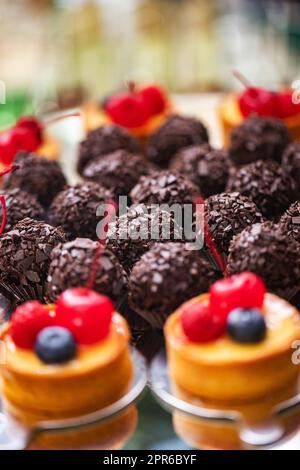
[55, 344]
[246, 325]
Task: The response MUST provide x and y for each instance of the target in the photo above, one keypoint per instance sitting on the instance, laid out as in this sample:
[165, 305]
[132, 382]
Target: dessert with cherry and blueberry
[140, 110]
[27, 135]
[66, 360]
[260, 102]
[232, 349]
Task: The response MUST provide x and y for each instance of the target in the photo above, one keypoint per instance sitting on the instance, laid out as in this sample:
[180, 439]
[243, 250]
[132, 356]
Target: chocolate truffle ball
[165, 187]
[266, 184]
[38, 176]
[258, 138]
[166, 276]
[25, 257]
[227, 215]
[20, 205]
[206, 167]
[133, 233]
[291, 162]
[72, 264]
[177, 132]
[106, 139]
[118, 171]
[266, 250]
[75, 208]
[290, 221]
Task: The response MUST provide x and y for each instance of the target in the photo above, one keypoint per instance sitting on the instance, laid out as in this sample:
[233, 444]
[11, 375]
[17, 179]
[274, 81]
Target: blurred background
[55, 53]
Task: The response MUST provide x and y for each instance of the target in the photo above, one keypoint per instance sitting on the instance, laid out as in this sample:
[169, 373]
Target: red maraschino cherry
[286, 107]
[85, 313]
[32, 124]
[154, 98]
[199, 324]
[127, 110]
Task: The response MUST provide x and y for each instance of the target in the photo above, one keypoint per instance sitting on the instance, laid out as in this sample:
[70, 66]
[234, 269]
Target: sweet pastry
[38, 176]
[75, 209]
[104, 140]
[78, 346]
[267, 250]
[25, 257]
[164, 277]
[290, 221]
[164, 187]
[235, 108]
[118, 171]
[231, 349]
[19, 206]
[227, 214]
[175, 134]
[134, 232]
[71, 264]
[267, 184]
[207, 167]
[139, 111]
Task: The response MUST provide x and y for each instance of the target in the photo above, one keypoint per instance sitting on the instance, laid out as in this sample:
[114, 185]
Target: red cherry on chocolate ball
[128, 110]
[154, 98]
[32, 124]
[199, 324]
[245, 290]
[85, 313]
[27, 321]
[258, 101]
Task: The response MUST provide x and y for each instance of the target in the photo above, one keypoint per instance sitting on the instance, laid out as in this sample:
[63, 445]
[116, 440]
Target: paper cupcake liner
[22, 293]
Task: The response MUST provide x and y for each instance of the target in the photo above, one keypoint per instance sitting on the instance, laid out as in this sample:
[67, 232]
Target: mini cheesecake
[97, 376]
[222, 373]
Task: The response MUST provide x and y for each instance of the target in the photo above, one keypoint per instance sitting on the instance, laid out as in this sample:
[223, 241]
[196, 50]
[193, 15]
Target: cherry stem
[4, 213]
[8, 169]
[109, 212]
[51, 121]
[209, 240]
[241, 78]
[131, 85]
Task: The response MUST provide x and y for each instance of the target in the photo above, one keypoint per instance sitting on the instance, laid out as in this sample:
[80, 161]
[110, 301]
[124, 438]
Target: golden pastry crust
[230, 116]
[224, 370]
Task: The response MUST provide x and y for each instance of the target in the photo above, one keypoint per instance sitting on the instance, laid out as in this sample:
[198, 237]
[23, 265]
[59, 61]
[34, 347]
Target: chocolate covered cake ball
[75, 208]
[133, 233]
[266, 250]
[20, 205]
[118, 171]
[290, 221]
[206, 167]
[166, 187]
[291, 162]
[106, 139]
[176, 133]
[72, 264]
[227, 215]
[166, 276]
[258, 138]
[266, 184]
[38, 176]
[25, 257]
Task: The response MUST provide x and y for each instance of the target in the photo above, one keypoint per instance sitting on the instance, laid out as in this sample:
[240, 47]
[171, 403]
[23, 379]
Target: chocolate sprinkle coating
[266, 250]
[165, 187]
[75, 208]
[176, 133]
[71, 265]
[206, 167]
[38, 176]
[20, 205]
[227, 215]
[118, 171]
[166, 276]
[133, 233]
[291, 162]
[25, 257]
[290, 221]
[258, 138]
[103, 140]
[266, 183]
